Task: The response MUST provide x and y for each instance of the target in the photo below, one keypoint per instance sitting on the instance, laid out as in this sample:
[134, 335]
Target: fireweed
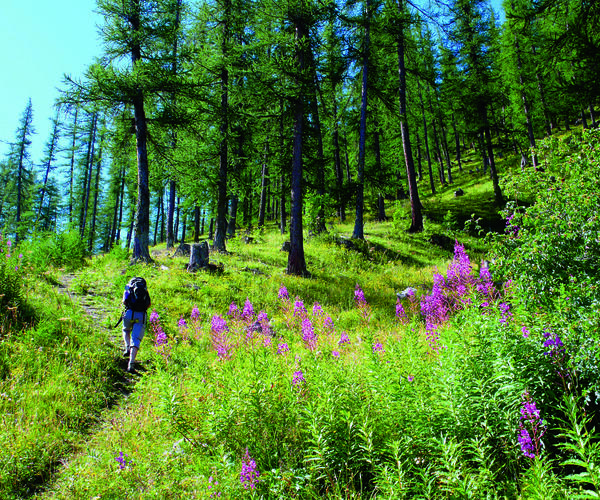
[531, 428]
[248, 311]
[121, 459]
[298, 379]
[401, 313]
[219, 338]
[196, 325]
[308, 335]
[249, 476]
[183, 330]
[362, 304]
[161, 342]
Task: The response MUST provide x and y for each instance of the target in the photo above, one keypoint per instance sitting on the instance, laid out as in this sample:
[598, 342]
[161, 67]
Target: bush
[11, 281]
[65, 249]
[551, 249]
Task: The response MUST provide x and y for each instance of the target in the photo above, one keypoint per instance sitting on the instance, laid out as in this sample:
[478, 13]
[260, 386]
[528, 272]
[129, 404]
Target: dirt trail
[102, 319]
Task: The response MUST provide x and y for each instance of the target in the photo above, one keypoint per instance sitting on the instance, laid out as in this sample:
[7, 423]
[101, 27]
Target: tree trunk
[264, 180]
[52, 145]
[197, 224]
[337, 162]
[233, 216]
[170, 216]
[296, 262]
[96, 193]
[426, 139]
[456, 143]
[142, 220]
[221, 229]
[72, 165]
[87, 179]
[528, 122]
[358, 232]
[415, 203]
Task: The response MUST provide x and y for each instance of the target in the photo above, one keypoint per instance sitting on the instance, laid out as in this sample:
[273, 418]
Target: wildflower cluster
[184, 333]
[362, 304]
[212, 482]
[219, 338]
[195, 320]
[161, 342]
[531, 428]
[249, 476]
[452, 293]
[121, 459]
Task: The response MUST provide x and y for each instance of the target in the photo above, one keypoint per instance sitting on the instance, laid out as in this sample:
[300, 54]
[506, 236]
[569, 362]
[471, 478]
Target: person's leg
[127, 333]
[137, 334]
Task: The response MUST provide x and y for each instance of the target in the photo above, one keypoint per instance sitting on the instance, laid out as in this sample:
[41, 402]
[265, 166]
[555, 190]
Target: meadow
[402, 368]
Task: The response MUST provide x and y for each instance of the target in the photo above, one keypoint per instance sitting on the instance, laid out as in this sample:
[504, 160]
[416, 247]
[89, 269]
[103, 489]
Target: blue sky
[41, 41]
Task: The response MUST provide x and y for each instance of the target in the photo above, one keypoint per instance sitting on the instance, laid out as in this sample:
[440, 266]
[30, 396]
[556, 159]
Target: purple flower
[505, 310]
[553, 344]
[531, 428]
[248, 311]
[359, 296]
[218, 324]
[400, 312]
[328, 323]
[121, 458]
[160, 337]
[249, 475]
[335, 354]
[308, 334]
[317, 309]
[344, 339]
[195, 313]
[378, 347]
[525, 332]
[233, 310]
[299, 309]
[298, 378]
[283, 293]
[282, 348]
[410, 378]
[153, 317]
[181, 323]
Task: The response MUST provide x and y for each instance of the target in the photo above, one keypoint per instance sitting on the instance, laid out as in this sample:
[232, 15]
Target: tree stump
[198, 257]
[183, 250]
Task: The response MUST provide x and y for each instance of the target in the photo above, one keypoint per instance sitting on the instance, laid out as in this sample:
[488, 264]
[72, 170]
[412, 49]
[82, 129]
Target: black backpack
[137, 297]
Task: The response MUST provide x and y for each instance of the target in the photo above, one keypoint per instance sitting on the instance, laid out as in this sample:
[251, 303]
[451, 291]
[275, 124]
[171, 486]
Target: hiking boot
[132, 370]
[126, 353]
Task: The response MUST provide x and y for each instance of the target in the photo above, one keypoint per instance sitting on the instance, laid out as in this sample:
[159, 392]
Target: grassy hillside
[272, 386]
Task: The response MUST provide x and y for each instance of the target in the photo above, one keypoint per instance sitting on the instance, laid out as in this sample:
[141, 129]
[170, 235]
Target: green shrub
[65, 249]
[11, 282]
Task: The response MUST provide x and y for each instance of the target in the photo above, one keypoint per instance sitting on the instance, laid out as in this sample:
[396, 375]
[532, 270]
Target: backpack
[137, 297]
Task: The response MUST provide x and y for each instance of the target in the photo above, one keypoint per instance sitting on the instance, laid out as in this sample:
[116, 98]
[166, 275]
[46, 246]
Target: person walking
[136, 300]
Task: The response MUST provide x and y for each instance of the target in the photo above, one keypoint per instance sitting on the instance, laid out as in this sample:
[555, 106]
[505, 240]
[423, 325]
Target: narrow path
[102, 319]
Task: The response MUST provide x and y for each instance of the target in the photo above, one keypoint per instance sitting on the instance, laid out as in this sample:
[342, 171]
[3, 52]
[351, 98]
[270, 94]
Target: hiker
[136, 300]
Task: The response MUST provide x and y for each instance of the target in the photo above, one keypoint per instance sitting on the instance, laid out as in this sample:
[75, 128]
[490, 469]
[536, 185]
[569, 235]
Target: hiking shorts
[134, 323]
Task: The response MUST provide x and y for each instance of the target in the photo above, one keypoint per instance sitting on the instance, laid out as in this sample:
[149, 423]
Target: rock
[407, 292]
[286, 247]
[458, 192]
[247, 239]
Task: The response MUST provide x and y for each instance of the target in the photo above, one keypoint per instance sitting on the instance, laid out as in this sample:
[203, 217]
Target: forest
[400, 200]
[208, 116]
